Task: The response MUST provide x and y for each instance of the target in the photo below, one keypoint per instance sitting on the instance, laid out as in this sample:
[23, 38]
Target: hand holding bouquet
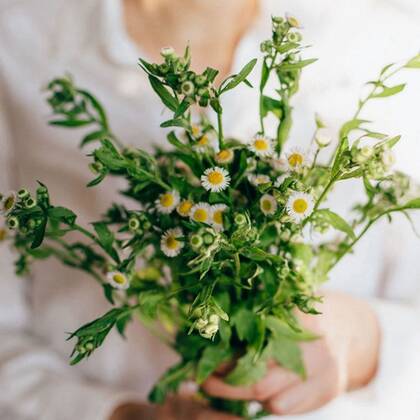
[215, 247]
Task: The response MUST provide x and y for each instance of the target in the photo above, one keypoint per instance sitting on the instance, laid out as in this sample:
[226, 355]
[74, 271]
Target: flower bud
[200, 80]
[23, 193]
[322, 137]
[196, 241]
[277, 19]
[8, 203]
[164, 68]
[211, 329]
[187, 88]
[208, 238]
[13, 222]
[388, 158]
[214, 319]
[201, 323]
[240, 219]
[133, 224]
[167, 52]
[292, 21]
[29, 203]
[294, 37]
[89, 346]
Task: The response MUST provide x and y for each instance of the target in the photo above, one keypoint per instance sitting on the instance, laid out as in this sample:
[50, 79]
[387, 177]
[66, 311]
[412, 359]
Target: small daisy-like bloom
[206, 141]
[195, 130]
[280, 179]
[170, 244]
[8, 203]
[299, 206]
[167, 201]
[201, 213]
[187, 88]
[215, 179]
[258, 179]
[167, 52]
[297, 158]
[184, 208]
[217, 216]
[268, 204]
[224, 156]
[118, 280]
[261, 145]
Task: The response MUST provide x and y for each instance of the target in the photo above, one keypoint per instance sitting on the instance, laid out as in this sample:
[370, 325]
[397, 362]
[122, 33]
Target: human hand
[345, 357]
[176, 408]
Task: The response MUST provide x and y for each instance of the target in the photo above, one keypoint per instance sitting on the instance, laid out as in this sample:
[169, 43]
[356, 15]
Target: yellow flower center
[218, 217]
[200, 215]
[295, 159]
[204, 141]
[3, 234]
[167, 200]
[300, 205]
[171, 242]
[119, 278]
[261, 144]
[215, 177]
[266, 205]
[195, 129]
[185, 207]
[224, 155]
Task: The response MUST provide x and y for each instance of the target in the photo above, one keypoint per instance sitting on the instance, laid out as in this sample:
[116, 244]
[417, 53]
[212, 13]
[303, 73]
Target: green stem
[220, 129]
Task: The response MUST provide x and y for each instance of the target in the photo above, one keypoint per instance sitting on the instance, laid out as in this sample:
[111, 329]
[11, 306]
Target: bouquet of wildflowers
[214, 247]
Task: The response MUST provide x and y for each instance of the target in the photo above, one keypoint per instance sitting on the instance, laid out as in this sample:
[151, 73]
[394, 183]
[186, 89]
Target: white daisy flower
[217, 216]
[205, 142]
[215, 179]
[258, 179]
[297, 158]
[170, 244]
[279, 164]
[8, 203]
[118, 280]
[280, 179]
[184, 208]
[261, 145]
[167, 201]
[196, 130]
[299, 206]
[201, 212]
[268, 204]
[224, 156]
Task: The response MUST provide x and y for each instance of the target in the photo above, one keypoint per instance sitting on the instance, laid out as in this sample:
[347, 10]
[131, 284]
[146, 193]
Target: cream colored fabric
[45, 38]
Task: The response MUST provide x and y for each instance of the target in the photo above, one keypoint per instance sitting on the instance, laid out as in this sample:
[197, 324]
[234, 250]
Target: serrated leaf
[211, 359]
[336, 221]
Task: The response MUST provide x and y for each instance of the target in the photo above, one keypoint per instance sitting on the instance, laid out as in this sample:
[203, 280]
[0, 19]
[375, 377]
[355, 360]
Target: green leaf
[71, 123]
[265, 73]
[244, 320]
[211, 359]
[241, 76]
[389, 91]
[147, 67]
[271, 105]
[336, 221]
[414, 63]
[96, 135]
[350, 126]
[96, 105]
[296, 66]
[279, 327]
[287, 353]
[412, 204]
[163, 93]
[249, 369]
[61, 214]
[170, 382]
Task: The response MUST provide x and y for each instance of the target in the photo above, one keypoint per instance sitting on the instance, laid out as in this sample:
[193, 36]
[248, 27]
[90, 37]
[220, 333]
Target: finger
[306, 396]
[274, 382]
